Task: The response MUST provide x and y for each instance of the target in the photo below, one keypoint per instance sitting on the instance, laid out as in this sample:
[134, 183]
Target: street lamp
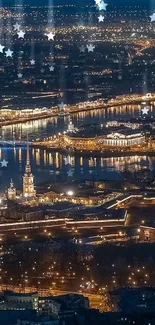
[70, 193]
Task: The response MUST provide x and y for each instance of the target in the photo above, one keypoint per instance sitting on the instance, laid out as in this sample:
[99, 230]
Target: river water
[50, 166]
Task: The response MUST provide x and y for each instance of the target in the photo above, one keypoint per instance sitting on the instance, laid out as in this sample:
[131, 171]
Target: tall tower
[11, 191]
[129, 58]
[28, 179]
[70, 126]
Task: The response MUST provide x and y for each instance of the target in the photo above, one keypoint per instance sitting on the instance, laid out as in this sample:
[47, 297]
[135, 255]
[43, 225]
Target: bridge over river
[14, 143]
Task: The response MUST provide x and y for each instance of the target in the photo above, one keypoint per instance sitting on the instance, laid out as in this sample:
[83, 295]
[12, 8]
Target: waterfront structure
[28, 179]
[117, 139]
[11, 191]
[96, 217]
[87, 220]
[122, 139]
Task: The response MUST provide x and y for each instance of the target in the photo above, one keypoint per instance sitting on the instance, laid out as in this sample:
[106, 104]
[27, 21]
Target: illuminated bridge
[14, 143]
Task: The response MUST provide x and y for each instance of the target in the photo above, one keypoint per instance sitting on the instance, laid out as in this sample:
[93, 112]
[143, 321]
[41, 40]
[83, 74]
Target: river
[49, 166]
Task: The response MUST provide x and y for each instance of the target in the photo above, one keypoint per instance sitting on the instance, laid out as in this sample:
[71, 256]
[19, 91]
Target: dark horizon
[110, 2]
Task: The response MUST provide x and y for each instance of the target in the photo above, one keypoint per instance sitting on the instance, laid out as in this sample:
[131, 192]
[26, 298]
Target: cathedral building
[11, 191]
[28, 179]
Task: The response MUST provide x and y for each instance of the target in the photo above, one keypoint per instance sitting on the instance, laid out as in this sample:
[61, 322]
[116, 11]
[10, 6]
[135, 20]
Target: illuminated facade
[70, 126]
[28, 179]
[52, 197]
[124, 140]
[116, 139]
[11, 191]
[147, 232]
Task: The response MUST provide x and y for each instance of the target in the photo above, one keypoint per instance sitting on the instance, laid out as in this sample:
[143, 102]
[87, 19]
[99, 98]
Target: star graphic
[4, 163]
[90, 48]
[126, 47]
[82, 48]
[32, 62]
[152, 17]
[42, 70]
[67, 160]
[16, 26]
[21, 34]
[61, 106]
[145, 110]
[101, 18]
[70, 173]
[1, 48]
[90, 171]
[19, 75]
[9, 53]
[50, 36]
[120, 77]
[51, 68]
[101, 5]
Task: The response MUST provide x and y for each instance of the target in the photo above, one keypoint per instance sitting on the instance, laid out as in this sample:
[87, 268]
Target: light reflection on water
[47, 127]
[48, 166]
[45, 164]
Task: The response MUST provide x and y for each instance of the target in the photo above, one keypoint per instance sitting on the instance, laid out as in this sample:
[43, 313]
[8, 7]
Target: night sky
[149, 3]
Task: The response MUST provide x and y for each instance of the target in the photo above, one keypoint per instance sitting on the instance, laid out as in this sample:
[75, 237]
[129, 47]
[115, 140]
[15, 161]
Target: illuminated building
[70, 126]
[147, 232]
[84, 200]
[19, 301]
[11, 191]
[96, 217]
[124, 138]
[52, 197]
[87, 218]
[28, 179]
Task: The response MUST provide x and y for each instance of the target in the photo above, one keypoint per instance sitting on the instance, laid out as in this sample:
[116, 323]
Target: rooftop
[130, 290]
[98, 213]
[16, 294]
[149, 224]
[63, 206]
[93, 131]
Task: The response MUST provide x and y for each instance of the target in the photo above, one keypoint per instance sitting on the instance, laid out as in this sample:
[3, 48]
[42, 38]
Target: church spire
[70, 125]
[27, 167]
[28, 154]
[11, 191]
[28, 182]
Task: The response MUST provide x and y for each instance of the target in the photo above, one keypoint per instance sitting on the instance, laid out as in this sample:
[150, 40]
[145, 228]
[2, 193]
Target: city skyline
[77, 162]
